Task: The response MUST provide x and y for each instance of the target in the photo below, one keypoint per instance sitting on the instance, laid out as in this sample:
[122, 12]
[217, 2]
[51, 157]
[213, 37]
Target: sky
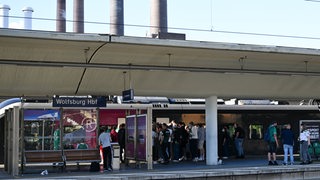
[291, 23]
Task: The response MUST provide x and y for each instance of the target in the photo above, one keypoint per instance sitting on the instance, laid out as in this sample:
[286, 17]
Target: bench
[41, 157]
[81, 156]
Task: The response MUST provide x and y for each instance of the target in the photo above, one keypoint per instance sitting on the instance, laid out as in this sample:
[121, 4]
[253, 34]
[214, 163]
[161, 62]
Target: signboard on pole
[127, 95]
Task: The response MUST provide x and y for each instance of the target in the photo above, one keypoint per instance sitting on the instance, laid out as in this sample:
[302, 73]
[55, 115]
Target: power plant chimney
[116, 17]
[4, 13]
[158, 20]
[61, 16]
[27, 23]
[78, 16]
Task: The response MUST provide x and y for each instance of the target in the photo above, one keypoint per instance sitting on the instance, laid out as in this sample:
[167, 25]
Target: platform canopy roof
[43, 64]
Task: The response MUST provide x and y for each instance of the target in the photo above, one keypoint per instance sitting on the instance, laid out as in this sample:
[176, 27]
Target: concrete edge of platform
[279, 172]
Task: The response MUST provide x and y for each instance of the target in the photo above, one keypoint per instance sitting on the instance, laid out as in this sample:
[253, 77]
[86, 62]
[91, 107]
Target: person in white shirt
[105, 141]
[304, 145]
[193, 142]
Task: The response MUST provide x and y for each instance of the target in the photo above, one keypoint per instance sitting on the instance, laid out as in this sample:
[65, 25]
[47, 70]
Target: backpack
[94, 167]
[267, 135]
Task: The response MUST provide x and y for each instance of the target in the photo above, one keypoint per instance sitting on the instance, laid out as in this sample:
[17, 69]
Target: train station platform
[235, 169]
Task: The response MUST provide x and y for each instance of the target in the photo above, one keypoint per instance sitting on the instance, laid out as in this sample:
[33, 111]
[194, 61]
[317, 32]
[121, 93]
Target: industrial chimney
[4, 13]
[159, 22]
[27, 23]
[158, 19]
[116, 18]
[61, 16]
[78, 16]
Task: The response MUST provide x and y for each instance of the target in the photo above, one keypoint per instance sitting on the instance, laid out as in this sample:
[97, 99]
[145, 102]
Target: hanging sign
[80, 101]
[127, 95]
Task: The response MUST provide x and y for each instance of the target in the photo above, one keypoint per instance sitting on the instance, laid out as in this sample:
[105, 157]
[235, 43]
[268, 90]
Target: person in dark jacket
[122, 140]
[287, 137]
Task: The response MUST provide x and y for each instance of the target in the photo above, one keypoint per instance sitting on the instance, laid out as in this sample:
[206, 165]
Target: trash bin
[116, 157]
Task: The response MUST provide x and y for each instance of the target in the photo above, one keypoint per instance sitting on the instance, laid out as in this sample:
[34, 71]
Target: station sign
[79, 101]
[127, 95]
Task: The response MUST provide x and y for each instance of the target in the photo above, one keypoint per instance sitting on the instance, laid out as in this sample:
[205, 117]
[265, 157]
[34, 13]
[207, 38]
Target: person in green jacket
[273, 144]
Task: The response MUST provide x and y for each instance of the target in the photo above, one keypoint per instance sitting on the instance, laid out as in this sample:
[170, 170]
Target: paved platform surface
[248, 168]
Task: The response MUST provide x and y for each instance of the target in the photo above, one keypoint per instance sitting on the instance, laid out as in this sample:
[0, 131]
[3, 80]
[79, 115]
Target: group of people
[178, 142]
[238, 138]
[288, 141]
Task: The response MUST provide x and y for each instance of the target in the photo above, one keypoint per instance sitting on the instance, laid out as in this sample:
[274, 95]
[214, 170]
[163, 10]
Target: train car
[254, 119]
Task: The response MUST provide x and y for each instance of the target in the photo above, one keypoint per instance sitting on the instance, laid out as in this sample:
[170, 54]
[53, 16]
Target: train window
[255, 131]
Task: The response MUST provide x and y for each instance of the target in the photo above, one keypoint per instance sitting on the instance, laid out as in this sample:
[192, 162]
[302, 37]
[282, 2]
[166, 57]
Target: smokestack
[27, 24]
[61, 16]
[78, 16]
[158, 20]
[116, 17]
[4, 13]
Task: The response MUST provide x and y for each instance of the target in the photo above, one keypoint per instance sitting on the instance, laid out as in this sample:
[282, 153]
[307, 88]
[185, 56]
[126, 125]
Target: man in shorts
[272, 144]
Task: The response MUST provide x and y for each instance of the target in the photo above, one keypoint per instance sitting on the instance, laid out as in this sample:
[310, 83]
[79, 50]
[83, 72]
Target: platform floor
[248, 168]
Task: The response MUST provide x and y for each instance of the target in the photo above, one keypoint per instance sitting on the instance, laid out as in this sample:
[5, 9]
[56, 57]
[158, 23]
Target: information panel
[141, 137]
[130, 137]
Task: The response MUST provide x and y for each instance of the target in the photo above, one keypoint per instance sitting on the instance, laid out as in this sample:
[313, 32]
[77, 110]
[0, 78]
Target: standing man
[225, 142]
[105, 141]
[122, 140]
[164, 143]
[201, 139]
[193, 142]
[287, 137]
[305, 143]
[272, 144]
[238, 140]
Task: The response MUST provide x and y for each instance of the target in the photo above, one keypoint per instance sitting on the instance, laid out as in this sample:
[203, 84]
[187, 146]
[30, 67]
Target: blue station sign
[75, 101]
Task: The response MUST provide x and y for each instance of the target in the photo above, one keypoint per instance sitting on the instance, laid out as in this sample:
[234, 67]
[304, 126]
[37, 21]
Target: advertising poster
[131, 137]
[79, 126]
[141, 137]
[41, 129]
[313, 126]
[35, 114]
